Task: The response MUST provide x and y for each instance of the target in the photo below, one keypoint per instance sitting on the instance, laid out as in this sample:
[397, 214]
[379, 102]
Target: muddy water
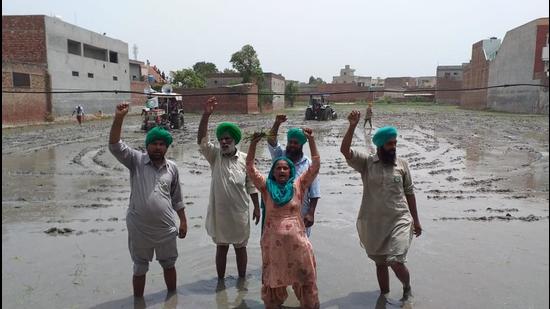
[482, 190]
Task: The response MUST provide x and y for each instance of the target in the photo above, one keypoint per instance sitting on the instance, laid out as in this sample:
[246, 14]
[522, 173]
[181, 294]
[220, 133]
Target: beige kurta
[228, 216]
[384, 222]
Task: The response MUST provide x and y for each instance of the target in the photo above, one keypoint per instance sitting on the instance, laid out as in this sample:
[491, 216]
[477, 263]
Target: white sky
[298, 38]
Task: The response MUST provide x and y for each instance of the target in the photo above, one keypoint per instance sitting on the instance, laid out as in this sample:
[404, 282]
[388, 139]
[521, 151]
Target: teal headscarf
[281, 193]
[383, 135]
[157, 133]
[230, 128]
[298, 134]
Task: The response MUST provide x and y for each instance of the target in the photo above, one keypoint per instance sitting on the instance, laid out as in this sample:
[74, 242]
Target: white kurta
[228, 215]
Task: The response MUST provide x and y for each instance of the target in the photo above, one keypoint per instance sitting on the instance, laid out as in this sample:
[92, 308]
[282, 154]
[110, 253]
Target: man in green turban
[295, 140]
[388, 218]
[228, 216]
[156, 202]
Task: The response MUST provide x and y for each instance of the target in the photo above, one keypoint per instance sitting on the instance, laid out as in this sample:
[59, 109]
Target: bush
[49, 117]
[385, 99]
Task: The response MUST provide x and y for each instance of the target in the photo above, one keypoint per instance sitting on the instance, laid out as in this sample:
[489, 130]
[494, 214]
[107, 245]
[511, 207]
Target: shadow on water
[362, 300]
[170, 300]
[202, 287]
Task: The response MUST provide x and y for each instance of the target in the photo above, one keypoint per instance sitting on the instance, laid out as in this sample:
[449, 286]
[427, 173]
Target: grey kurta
[228, 216]
[154, 199]
[384, 222]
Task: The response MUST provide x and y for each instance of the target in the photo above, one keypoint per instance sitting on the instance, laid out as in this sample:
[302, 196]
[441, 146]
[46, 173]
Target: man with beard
[294, 151]
[388, 218]
[227, 217]
[155, 200]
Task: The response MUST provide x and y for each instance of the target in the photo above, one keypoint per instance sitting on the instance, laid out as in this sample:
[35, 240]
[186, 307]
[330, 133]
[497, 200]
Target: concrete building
[74, 59]
[272, 82]
[347, 76]
[476, 73]
[398, 84]
[276, 84]
[521, 60]
[449, 77]
[135, 70]
[377, 82]
[425, 82]
[223, 79]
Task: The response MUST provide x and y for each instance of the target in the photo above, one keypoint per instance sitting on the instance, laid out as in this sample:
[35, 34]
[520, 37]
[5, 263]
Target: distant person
[368, 116]
[228, 214]
[287, 253]
[388, 217]
[79, 111]
[155, 202]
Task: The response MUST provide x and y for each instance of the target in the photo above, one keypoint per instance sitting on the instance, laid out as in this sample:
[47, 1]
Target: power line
[276, 93]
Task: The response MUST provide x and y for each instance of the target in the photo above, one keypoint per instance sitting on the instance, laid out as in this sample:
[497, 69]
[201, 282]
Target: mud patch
[507, 217]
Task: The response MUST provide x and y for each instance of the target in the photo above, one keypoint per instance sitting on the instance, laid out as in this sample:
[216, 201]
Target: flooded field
[481, 187]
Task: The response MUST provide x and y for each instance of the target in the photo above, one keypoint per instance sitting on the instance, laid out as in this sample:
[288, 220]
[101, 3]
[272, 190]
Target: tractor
[163, 109]
[319, 109]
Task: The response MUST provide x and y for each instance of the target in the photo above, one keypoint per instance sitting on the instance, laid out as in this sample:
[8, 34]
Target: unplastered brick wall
[24, 107]
[241, 99]
[24, 39]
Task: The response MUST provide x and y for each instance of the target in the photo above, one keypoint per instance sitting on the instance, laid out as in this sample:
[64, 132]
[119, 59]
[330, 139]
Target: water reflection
[474, 151]
[222, 299]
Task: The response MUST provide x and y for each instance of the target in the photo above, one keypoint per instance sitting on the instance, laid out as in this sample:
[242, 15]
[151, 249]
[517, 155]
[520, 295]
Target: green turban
[231, 128]
[297, 134]
[157, 133]
[383, 135]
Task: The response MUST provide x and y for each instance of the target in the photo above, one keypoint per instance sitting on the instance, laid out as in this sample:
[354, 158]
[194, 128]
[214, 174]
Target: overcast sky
[298, 38]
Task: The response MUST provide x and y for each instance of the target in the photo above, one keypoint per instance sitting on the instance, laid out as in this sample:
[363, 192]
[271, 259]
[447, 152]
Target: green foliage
[291, 92]
[316, 81]
[188, 78]
[385, 99]
[265, 96]
[205, 68]
[246, 62]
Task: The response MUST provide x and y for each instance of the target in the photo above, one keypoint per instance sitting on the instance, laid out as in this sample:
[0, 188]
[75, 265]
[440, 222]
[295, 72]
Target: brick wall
[25, 107]
[538, 69]
[448, 97]
[476, 74]
[138, 99]
[242, 99]
[24, 39]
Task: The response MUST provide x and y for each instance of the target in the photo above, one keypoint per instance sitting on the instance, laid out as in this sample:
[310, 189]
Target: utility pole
[135, 48]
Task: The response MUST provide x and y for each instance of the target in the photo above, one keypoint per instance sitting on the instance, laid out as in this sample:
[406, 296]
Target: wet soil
[481, 184]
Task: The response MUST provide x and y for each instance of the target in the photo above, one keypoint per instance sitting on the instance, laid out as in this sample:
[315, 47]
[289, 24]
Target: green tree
[265, 96]
[229, 71]
[316, 81]
[291, 92]
[205, 68]
[246, 62]
[188, 78]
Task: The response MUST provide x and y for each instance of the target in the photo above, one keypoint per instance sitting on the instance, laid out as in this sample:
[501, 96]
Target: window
[21, 80]
[95, 52]
[134, 77]
[90, 75]
[115, 78]
[75, 73]
[113, 57]
[74, 47]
